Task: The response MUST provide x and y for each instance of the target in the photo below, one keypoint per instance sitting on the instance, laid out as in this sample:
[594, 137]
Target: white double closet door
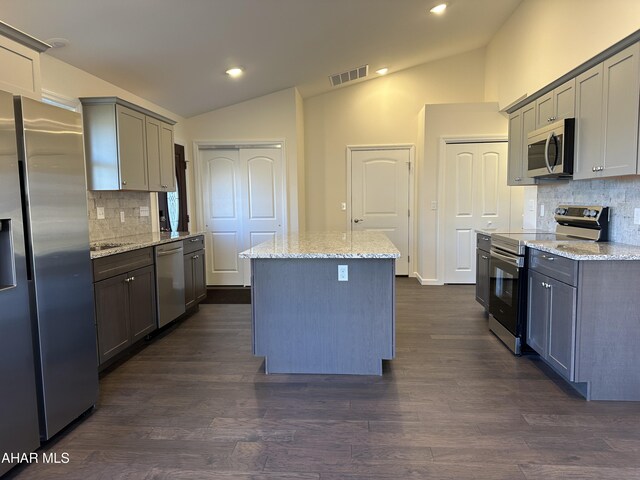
[243, 205]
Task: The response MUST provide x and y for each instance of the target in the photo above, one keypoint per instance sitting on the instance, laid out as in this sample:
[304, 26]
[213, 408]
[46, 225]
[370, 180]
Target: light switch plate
[122, 217]
[100, 213]
[144, 211]
[343, 206]
[343, 273]
[636, 216]
[542, 210]
[434, 205]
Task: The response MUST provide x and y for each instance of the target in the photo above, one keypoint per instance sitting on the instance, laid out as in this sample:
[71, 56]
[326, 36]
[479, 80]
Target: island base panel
[306, 321]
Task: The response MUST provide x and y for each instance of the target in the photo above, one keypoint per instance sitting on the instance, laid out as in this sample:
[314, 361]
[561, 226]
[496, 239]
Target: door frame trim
[199, 145]
[411, 148]
[444, 141]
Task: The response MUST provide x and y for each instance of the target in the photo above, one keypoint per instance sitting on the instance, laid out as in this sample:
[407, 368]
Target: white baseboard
[427, 281]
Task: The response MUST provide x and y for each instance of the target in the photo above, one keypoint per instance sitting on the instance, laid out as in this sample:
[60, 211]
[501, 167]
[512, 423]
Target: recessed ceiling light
[58, 42]
[382, 71]
[439, 9]
[234, 72]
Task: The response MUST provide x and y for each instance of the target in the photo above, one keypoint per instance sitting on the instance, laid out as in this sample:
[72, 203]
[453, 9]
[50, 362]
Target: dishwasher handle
[162, 253]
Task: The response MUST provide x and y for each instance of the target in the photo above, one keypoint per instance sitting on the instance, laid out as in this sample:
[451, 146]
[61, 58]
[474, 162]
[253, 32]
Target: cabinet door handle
[518, 179]
[195, 257]
[194, 240]
[484, 257]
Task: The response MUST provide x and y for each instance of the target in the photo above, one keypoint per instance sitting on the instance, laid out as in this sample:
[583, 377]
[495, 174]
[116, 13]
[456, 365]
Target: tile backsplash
[114, 203]
[621, 194]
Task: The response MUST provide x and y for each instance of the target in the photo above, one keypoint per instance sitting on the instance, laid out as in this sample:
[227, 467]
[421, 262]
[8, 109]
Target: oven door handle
[515, 261]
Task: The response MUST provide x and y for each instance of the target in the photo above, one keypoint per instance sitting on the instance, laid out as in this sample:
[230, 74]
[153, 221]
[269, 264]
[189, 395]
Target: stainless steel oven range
[508, 264]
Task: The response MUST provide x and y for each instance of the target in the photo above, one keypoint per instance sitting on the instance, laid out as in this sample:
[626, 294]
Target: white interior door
[223, 215]
[380, 197]
[243, 206]
[263, 213]
[476, 197]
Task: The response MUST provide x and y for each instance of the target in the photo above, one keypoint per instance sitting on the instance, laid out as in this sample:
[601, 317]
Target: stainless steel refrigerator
[48, 371]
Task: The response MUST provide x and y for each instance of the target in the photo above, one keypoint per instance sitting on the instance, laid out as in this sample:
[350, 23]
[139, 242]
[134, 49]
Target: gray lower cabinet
[194, 278]
[583, 319]
[552, 322]
[194, 271]
[483, 276]
[125, 301]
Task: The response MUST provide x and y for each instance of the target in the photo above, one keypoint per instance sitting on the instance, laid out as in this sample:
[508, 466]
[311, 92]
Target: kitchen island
[324, 302]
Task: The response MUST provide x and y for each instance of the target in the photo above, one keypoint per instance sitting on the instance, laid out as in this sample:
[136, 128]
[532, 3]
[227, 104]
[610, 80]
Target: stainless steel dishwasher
[169, 281]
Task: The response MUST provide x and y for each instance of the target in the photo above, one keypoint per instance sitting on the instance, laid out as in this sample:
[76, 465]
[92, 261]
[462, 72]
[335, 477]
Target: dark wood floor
[454, 404]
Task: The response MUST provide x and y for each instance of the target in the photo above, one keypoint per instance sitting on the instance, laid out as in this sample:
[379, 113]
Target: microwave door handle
[546, 152]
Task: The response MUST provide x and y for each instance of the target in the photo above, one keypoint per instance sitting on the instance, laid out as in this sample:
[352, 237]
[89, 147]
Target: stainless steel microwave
[550, 150]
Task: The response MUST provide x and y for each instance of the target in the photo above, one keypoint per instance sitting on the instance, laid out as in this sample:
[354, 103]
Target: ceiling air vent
[348, 76]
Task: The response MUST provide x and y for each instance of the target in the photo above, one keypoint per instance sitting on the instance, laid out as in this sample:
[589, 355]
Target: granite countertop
[587, 250]
[325, 245]
[111, 246]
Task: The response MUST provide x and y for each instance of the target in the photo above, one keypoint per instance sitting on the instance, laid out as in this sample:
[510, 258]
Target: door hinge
[408, 213]
[409, 165]
[408, 258]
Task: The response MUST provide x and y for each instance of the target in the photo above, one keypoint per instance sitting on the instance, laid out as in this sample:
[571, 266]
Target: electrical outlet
[144, 211]
[100, 213]
[343, 273]
[434, 205]
[636, 216]
[122, 217]
[542, 209]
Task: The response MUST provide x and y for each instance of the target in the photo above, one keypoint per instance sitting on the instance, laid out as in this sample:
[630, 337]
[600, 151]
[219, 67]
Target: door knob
[358, 220]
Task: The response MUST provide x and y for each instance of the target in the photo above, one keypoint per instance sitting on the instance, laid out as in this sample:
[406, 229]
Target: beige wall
[380, 111]
[69, 81]
[544, 39]
[272, 117]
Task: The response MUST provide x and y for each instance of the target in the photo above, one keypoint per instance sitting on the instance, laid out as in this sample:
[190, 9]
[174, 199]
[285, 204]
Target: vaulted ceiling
[175, 53]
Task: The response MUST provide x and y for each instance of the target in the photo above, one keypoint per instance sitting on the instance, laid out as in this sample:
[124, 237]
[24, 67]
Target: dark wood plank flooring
[454, 404]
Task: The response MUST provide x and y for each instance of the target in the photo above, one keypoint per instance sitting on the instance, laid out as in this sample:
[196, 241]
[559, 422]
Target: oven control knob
[586, 212]
[593, 213]
[561, 211]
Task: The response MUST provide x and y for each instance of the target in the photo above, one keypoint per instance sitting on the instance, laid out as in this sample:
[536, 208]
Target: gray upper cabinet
[132, 149]
[608, 98]
[556, 105]
[521, 122]
[544, 110]
[588, 137]
[160, 156]
[127, 147]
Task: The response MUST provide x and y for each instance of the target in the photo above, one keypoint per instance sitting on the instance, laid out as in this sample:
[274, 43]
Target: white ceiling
[174, 53]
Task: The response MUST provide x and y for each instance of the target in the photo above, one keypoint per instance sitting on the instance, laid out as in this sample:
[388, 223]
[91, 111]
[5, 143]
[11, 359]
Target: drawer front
[193, 244]
[554, 266]
[112, 265]
[483, 242]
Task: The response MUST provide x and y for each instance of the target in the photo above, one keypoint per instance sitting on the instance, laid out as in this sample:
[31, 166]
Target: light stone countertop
[587, 250]
[134, 242]
[325, 245]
